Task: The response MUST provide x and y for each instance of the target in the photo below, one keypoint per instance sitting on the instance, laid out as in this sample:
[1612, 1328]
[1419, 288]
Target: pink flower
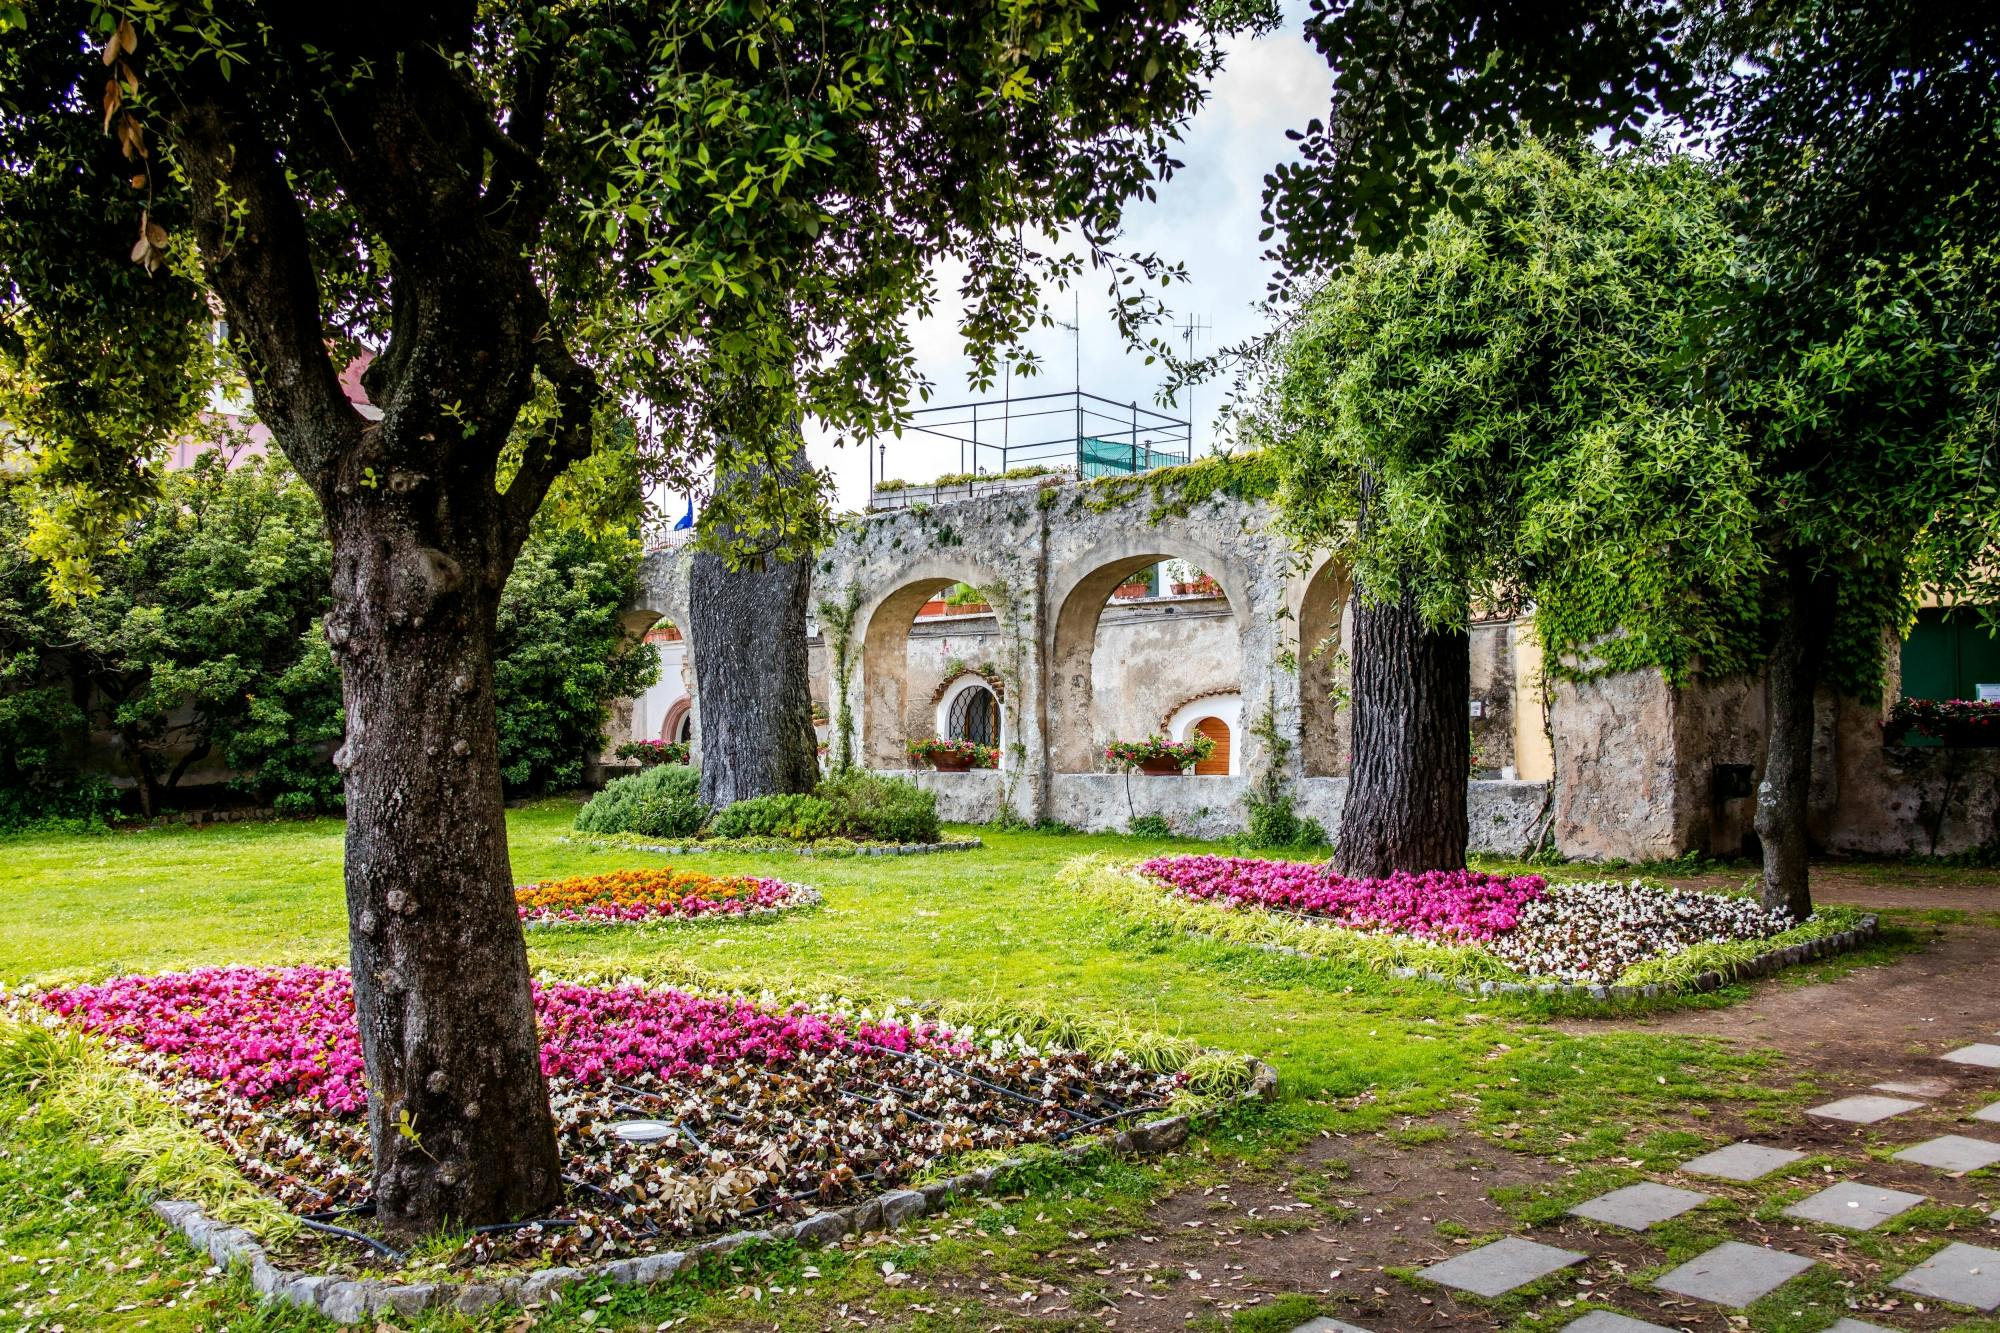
[1441, 904]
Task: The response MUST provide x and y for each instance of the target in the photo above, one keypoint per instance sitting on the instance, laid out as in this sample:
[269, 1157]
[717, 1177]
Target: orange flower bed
[655, 893]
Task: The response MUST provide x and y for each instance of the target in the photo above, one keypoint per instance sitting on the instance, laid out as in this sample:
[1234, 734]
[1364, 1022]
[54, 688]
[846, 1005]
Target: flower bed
[658, 893]
[778, 1111]
[1469, 925]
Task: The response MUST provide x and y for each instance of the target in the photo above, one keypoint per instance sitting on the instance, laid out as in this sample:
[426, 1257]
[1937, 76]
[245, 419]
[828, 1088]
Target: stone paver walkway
[1734, 1274]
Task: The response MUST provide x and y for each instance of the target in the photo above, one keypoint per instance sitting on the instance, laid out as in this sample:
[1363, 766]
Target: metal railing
[1069, 433]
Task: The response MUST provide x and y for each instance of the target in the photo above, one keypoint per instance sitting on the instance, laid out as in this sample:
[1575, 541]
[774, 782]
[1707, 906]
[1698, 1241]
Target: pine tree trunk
[1783, 797]
[458, 1113]
[1405, 806]
[748, 642]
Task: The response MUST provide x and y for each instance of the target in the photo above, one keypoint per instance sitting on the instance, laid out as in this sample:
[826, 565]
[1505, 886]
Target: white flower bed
[1593, 932]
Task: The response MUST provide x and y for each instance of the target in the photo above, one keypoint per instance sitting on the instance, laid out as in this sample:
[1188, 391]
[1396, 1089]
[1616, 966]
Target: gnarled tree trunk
[748, 641]
[1792, 681]
[1405, 806]
[458, 1112]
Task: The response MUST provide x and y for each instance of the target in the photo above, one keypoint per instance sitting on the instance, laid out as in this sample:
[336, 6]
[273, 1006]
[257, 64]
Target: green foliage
[283, 750]
[794, 815]
[1173, 492]
[1150, 826]
[663, 801]
[1274, 825]
[871, 805]
[562, 653]
[836, 620]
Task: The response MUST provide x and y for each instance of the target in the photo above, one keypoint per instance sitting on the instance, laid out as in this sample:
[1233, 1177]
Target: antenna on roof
[1195, 327]
[1075, 327]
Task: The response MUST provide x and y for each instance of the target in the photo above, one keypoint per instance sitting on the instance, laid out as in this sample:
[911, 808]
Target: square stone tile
[1637, 1207]
[1605, 1321]
[1325, 1325]
[1990, 1114]
[1865, 1110]
[1734, 1274]
[1853, 1204]
[1856, 1326]
[1984, 1054]
[1962, 1274]
[1741, 1161]
[1496, 1269]
[1952, 1152]
[1916, 1087]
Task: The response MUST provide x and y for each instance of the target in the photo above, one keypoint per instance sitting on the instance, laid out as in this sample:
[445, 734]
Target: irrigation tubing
[385, 1250]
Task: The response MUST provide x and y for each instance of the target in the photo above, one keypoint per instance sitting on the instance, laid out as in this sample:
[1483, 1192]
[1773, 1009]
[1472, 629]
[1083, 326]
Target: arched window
[974, 716]
[685, 731]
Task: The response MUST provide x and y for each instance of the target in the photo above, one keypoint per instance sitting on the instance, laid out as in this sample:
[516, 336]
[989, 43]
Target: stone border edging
[1763, 965]
[348, 1300]
[799, 849]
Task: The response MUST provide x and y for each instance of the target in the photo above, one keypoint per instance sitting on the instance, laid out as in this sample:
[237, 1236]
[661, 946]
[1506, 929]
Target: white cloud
[1206, 218]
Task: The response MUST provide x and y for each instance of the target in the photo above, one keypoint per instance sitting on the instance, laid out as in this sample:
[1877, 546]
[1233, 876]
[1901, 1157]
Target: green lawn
[1354, 1050]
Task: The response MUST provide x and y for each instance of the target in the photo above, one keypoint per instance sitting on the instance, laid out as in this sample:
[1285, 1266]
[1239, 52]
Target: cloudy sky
[1205, 218]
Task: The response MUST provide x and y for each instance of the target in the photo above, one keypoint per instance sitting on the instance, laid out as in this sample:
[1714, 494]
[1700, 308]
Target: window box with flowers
[655, 752]
[953, 756]
[1956, 722]
[1158, 755]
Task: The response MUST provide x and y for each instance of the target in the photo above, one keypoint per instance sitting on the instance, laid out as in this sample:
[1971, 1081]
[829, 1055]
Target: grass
[984, 934]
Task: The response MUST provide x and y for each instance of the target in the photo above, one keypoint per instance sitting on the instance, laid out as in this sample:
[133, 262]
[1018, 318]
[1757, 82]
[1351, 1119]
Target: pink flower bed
[271, 1034]
[780, 1112]
[1437, 904]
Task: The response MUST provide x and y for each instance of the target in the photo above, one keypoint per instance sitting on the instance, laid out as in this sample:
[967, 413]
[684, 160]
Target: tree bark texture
[423, 541]
[458, 1112]
[1792, 680]
[1405, 806]
[748, 641]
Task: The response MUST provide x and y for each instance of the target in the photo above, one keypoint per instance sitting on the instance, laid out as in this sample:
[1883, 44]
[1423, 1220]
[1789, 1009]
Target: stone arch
[1325, 632]
[680, 716]
[883, 675]
[1080, 596]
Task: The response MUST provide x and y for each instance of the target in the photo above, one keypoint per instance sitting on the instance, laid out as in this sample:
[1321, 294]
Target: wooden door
[1218, 731]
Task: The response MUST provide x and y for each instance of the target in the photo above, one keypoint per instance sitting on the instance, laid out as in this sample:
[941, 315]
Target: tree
[1473, 423]
[1857, 359]
[717, 212]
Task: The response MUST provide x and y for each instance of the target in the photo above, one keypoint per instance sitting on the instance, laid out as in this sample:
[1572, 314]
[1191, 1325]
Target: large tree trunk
[1793, 680]
[1405, 806]
[458, 1113]
[748, 641]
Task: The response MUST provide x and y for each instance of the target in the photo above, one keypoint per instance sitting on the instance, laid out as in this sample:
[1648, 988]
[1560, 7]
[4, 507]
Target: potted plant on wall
[1158, 755]
[952, 756]
[1955, 722]
[655, 752]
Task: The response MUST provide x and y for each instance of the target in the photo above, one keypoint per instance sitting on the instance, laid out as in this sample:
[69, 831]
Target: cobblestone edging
[1763, 965]
[348, 1300]
[790, 848]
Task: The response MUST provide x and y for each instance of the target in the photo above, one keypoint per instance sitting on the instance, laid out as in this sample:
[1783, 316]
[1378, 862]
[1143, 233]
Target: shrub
[662, 802]
[794, 815]
[1273, 824]
[1150, 826]
[886, 809]
[655, 752]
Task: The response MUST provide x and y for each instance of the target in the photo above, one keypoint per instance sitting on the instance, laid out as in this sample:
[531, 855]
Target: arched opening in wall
[969, 710]
[1136, 630]
[931, 631]
[678, 725]
[1325, 631]
[1218, 716]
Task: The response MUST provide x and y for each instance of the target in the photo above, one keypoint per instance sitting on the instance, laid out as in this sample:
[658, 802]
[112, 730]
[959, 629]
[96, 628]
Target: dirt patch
[1876, 886]
[1870, 1024]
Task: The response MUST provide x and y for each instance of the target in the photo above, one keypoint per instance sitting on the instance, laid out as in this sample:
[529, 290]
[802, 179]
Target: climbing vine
[837, 623]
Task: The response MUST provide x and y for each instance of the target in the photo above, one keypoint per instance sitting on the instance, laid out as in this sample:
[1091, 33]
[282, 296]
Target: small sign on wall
[1988, 694]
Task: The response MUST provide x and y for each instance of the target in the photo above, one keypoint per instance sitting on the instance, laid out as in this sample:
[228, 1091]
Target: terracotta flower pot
[952, 763]
[1161, 768]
